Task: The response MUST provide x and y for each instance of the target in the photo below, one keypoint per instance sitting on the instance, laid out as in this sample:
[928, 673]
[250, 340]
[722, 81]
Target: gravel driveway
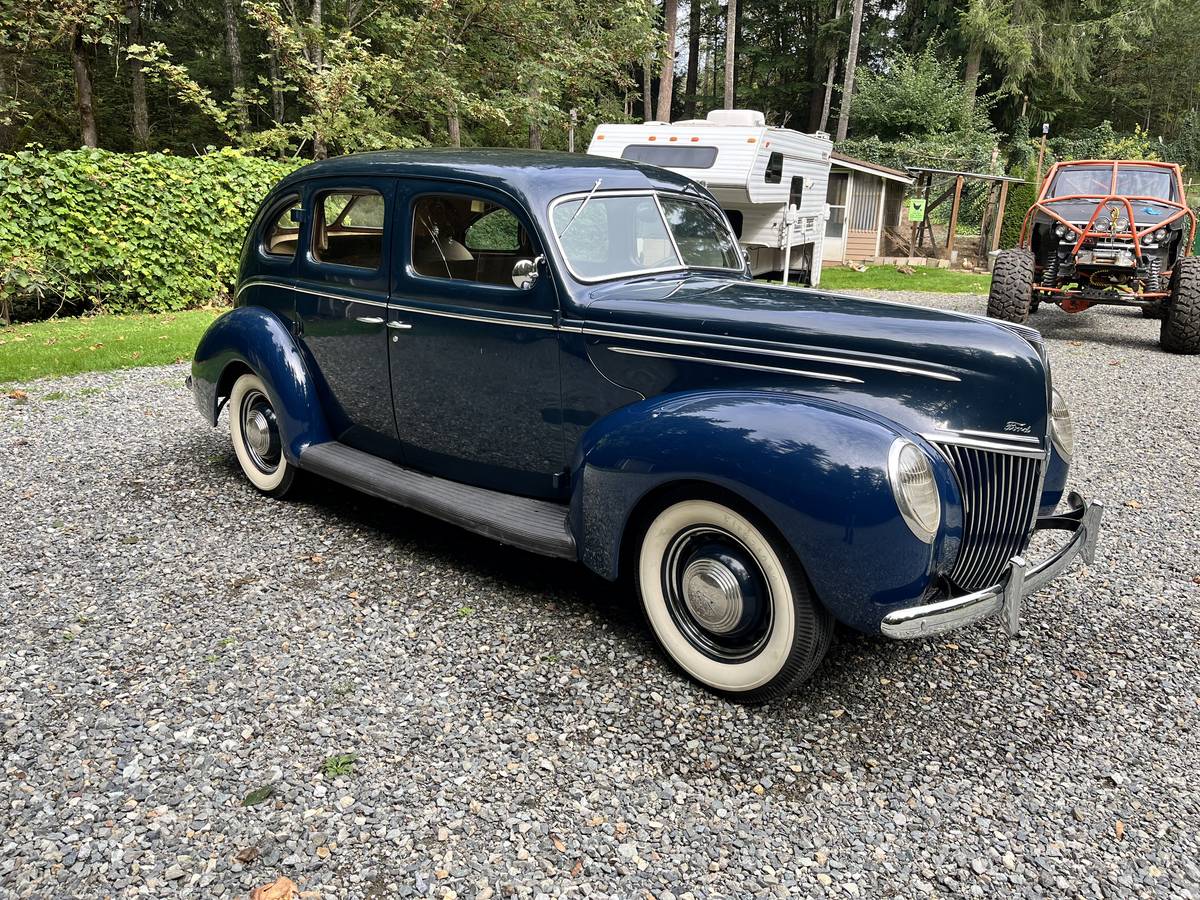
[174, 646]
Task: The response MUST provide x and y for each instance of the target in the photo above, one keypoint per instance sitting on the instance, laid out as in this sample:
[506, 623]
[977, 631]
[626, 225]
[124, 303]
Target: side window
[283, 233]
[465, 238]
[797, 192]
[774, 174]
[497, 232]
[348, 228]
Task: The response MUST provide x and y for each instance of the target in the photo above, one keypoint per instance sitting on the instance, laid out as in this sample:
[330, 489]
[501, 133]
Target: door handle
[370, 320]
[399, 326]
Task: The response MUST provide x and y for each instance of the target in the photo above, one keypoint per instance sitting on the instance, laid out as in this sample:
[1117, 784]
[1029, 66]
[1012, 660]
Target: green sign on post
[916, 209]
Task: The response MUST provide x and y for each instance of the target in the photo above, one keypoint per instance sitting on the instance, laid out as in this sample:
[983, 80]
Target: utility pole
[848, 78]
[833, 55]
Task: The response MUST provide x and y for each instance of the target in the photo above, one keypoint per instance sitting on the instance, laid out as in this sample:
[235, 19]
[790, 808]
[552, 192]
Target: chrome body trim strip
[632, 351]
[546, 324]
[762, 351]
[1018, 582]
[996, 435]
[270, 282]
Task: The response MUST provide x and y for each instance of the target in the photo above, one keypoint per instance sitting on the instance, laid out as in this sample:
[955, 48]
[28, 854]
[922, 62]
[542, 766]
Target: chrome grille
[1000, 496]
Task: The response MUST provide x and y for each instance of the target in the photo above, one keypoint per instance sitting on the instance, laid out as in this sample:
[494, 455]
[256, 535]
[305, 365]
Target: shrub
[126, 232]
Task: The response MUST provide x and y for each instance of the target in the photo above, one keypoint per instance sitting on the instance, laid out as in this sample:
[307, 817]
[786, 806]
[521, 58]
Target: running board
[535, 525]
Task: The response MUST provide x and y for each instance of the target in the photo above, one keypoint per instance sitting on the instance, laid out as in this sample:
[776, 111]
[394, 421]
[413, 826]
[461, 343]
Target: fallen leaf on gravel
[19, 396]
[1119, 829]
[837, 713]
[1114, 362]
[1134, 504]
[558, 844]
[247, 855]
[1196, 580]
[1080, 674]
[596, 820]
[323, 852]
[577, 868]
[281, 889]
[316, 559]
[259, 795]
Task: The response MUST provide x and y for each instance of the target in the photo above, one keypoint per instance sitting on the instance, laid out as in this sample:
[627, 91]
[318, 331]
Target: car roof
[534, 176]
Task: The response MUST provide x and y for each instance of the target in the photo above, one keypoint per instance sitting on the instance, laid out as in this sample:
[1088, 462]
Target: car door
[341, 303]
[474, 358]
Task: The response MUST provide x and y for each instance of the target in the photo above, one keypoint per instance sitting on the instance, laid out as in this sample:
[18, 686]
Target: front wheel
[728, 602]
[1011, 294]
[1180, 328]
[257, 440]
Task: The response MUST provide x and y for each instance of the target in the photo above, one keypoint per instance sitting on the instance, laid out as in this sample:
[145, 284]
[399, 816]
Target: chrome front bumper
[1019, 581]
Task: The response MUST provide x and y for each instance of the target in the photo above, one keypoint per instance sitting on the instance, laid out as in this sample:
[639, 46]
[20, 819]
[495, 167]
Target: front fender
[817, 469]
[258, 339]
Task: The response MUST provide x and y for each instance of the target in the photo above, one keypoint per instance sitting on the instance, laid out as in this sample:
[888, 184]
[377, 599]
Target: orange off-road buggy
[1112, 232]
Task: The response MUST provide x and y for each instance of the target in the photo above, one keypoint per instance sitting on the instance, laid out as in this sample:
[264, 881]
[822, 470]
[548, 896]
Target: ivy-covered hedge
[126, 232]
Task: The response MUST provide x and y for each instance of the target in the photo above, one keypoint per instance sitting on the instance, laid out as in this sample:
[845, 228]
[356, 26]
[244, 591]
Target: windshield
[627, 234]
[1132, 181]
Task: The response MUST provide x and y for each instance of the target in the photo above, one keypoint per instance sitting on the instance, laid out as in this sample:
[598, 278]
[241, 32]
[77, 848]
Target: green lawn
[889, 278]
[95, 343]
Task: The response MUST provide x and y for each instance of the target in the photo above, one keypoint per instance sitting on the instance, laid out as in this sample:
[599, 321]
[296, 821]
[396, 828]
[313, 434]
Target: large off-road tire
[728, 601]
[1011, 296]
[257, 439]
[1180, 330]
[1151, 310]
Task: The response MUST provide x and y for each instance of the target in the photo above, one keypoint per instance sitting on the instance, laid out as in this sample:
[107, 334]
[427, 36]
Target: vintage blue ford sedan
[566, 353]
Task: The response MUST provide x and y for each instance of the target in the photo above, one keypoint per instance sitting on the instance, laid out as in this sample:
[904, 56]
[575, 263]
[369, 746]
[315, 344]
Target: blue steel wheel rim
[260, 432]
[717, 594]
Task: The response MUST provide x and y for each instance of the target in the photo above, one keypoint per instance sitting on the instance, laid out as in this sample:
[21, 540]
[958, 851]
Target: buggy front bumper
[1020, 580]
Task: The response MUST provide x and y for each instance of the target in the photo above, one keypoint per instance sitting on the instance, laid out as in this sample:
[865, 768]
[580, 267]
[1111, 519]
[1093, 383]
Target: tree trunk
[971, 77]
[83, 90]
[277, 108]
[535, 121]
[316, 18]
[647, 93]
[693, 63]
[666, 78]
[831, 71]
[137, 79]
[730, 50]
[848, 76]
[233, 50]
[453, 126]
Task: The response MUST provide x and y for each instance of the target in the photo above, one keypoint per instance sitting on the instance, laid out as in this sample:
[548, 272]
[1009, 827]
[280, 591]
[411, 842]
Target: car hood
[932, 371]
[1145, 212]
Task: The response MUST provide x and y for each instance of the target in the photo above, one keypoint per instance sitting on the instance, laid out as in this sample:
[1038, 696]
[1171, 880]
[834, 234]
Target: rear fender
[255, 338]
[816, 469]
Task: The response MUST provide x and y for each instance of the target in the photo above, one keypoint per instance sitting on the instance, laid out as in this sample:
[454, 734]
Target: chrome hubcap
[712, 594]
[260, 432]
[717, 594]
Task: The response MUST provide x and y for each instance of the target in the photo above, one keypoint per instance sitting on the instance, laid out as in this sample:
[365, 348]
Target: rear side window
[774, 174]
[283, 233]
[463, 238]
[348, 230]
[672, 156]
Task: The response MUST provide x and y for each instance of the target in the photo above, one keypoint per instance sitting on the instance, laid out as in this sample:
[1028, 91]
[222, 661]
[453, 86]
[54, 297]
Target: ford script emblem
[1018, 427]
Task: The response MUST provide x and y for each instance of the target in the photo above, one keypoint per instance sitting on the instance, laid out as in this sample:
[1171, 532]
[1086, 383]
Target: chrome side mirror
[525, 273]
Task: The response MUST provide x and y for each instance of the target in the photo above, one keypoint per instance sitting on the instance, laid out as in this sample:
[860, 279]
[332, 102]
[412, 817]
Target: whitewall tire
[728, 602]
[257, 439]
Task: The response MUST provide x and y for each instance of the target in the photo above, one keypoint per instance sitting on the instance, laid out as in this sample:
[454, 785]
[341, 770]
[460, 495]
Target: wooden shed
[864, 199]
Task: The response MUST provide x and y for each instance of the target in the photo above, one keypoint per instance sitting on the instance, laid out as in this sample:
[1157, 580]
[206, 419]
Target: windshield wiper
[571, 221]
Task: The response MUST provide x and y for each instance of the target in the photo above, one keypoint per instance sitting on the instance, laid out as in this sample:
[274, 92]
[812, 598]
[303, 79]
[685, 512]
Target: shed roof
[861, 165]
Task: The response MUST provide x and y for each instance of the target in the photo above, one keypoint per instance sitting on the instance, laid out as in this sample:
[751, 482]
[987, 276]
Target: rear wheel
[257, 440]
[728, 602]
[1180, 329]
[1011, 296]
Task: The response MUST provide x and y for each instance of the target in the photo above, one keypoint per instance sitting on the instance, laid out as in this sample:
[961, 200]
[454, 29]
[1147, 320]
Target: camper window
[797, 192]
[774, 173]
[672, 157]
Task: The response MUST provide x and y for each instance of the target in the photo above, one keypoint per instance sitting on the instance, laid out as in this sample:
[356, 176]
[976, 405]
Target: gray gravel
[172, 642]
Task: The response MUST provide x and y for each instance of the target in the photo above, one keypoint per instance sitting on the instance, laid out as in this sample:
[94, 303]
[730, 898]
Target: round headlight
[1148, 238]
[1160, 234]
[1060, 229]
[915, 489]
[1061, 430]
